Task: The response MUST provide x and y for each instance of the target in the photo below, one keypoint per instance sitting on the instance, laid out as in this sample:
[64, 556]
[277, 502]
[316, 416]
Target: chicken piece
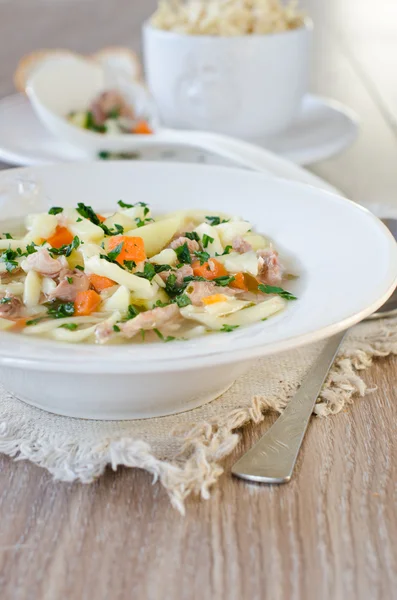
[70, 283]
[197, 290]
[270, 269]
[44, 264]
[106, 103]
[240, 245]
[181, 273]
[191, 244]
[166, 317]
[11, 307]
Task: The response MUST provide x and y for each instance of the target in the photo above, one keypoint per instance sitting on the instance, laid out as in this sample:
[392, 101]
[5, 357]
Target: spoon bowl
[71, 83]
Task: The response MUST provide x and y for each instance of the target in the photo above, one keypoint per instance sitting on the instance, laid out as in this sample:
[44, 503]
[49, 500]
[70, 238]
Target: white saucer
[322, 129]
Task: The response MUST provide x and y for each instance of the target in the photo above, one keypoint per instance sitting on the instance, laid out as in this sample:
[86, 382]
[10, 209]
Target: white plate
[347, 263]
[322, 129]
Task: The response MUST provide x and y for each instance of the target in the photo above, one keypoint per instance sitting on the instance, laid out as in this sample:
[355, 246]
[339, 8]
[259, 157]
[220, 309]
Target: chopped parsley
[8, 236]
[79, 220]
[169, 338]
[88, 213]
[227, 250]
[5, 300]
[182, 300]
[113, 254]
[60, 310]
[161, 268]
[192, 235]
[66, 249]
[131, 313]
[118, 228]
[146, 209]
[161, 304]
[272, 289]
[114, 113]
[31, 248]
[148, 272]
[34, 321]
[141, 222]
[207, 239]
[9, 257]
[216, 220]
[228, 328]
[124, 205]
[183, 254]
[70, 326]
[224, 280]
[116, 328]
[171, 286]
[202, 256]
[92, 125]
[130, 264]
[104, 155]
[55, 210]
[69, 280]
[79, 267]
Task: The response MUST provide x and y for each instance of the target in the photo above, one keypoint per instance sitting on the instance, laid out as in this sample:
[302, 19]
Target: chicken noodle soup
[74, 275]
[110, 113]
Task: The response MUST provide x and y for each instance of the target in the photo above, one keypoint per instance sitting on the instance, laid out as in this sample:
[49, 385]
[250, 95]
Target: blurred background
[353, 61]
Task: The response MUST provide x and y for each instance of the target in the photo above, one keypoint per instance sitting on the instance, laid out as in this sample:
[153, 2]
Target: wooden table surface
[332, 532]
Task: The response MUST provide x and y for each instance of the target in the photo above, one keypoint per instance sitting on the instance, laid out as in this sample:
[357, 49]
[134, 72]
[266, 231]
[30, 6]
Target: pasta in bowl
[69, 270]
[73, 275]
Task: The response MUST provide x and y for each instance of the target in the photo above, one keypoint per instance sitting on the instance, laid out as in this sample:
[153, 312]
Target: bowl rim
[306, 28]
[101, 359]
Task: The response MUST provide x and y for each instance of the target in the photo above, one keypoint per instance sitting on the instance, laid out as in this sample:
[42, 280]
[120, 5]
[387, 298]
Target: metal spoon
[272, 459]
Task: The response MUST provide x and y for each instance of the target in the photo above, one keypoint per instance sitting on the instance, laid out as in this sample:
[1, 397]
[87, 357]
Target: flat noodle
[227, 17]
[55, 323]
[64, 335]
[175, 278]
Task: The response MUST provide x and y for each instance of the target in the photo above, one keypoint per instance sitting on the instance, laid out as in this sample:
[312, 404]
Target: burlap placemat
[185, 452]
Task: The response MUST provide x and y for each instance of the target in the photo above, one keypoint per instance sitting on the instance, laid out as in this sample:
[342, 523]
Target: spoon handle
[243, 153]
[273, 457]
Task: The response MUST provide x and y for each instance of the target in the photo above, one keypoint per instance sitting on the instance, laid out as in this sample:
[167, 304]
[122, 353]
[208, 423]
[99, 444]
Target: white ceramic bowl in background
[244, 86]
[346, 258]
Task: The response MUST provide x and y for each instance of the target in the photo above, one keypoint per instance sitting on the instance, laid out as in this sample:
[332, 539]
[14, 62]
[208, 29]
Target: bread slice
[120, 58]
[30, 62]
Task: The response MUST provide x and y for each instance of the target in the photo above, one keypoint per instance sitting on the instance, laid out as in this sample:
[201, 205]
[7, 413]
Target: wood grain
[329, 534]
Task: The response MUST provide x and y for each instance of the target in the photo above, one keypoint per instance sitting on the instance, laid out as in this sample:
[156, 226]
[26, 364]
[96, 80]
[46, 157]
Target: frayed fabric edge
[203, 445]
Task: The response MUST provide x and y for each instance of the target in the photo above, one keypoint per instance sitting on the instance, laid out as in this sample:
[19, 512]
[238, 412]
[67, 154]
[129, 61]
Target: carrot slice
[20, 323]
[214, 298]
[239, 282]
[209, 271]
[100, 283]
[142, 128]
[86, 303]
[133, 248]
[61, 237]
[101, 218]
